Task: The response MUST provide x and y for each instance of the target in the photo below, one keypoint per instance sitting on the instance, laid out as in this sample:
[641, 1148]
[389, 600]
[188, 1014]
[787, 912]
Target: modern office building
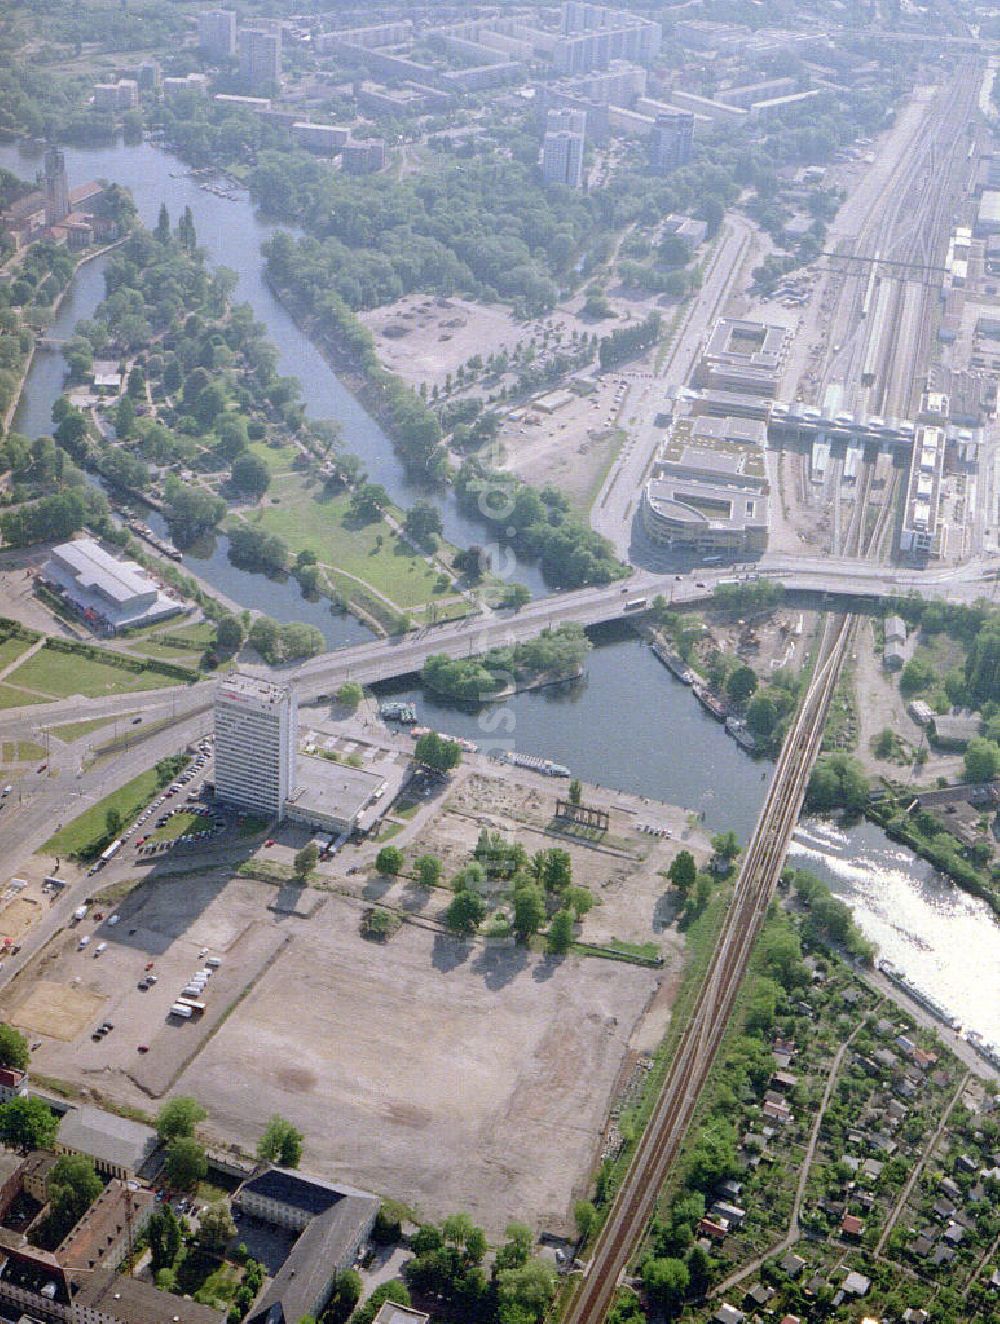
[709, 491]
[562, 158]
[260, 57]
[671, 140]
[255, 731]
[56, 187]
[217, 33]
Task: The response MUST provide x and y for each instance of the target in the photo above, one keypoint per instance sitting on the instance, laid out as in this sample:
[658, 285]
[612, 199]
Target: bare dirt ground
[423, 339]
[17, 918]
[452, 1076]
[884, 706]
[59, 1010]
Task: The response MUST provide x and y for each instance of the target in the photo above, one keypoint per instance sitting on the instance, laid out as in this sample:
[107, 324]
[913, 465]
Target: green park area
[83, 835]
[279, 459]
[56, 675]
[309, 520]
[11, 650]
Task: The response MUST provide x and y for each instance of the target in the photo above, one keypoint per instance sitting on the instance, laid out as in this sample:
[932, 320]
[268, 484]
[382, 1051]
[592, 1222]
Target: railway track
[702, 1038]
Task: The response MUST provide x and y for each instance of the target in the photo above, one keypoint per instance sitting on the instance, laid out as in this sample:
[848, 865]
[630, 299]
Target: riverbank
[373, 386]
[57, 303]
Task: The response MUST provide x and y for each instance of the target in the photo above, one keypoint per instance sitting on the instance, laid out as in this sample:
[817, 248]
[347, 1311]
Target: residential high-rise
[671, 141]
[217, 33]
[564, 118]
[562, 158]
[255, 731]
[260, 57]
[56, 187]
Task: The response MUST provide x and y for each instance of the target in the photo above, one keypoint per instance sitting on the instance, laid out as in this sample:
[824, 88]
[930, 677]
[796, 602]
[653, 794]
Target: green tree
[368, 501]
[699, 1271]
[437, 752]
[215, 1228]
[525, 1293]
[516, 596]
[250, 474]
[529, 911]
[14, 1051]
[186, 1164]
[390, 860]
[347, 1288]
[112, 821]
[27, 1123]
[838, 781]
[762, 716]
[683, 871]
[137, 383]
[428, 869]
[423, 524]
[575, 791]
[281, 1143]
[229, 633]
[178, 1118]
[465, 913]
[560, 933]
[306, 859]
[982, 760]
[585, 1217]
[124, 417]
[162, 231]
[391, 1291]
[741, 684]
[666, 1281]
[350, 694]
[164, 1234]
[72, 1187]
[726, 845]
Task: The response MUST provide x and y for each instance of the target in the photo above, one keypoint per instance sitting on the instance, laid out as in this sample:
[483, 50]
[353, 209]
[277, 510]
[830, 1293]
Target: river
[628, 723]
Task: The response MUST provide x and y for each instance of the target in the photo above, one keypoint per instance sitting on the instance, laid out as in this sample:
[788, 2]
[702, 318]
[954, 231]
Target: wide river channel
[628, 723]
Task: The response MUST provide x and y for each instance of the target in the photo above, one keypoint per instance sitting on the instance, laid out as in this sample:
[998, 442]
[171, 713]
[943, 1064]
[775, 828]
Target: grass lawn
[71, 731]
[279, 459]
[177, 825]
[184, 657]
[11, 650]
[63, 674]
[91, 826]
[322, 524]
[198, 636]
[21, 751]
[15, 698]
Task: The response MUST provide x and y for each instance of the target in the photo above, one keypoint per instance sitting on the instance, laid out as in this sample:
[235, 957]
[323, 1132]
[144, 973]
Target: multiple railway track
[908, 230]
[706, 1028]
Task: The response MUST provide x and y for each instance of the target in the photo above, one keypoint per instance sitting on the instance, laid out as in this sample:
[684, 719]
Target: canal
[628, 723]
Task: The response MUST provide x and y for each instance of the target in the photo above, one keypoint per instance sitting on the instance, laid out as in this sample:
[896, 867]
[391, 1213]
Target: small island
[556, 655]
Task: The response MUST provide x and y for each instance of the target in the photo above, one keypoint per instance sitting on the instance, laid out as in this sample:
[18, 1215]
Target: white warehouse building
[110, 594]
[256, 723]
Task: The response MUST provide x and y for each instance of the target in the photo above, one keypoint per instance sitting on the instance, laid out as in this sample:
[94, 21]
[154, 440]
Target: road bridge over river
[847, 578]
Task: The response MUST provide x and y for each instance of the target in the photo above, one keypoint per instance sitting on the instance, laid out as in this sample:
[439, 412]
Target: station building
[708, 493]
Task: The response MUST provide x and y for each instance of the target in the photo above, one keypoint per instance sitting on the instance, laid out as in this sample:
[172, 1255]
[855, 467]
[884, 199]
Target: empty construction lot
[447, 1074]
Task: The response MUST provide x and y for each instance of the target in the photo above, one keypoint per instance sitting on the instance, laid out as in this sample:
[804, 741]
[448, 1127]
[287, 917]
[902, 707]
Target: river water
[628, 723]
